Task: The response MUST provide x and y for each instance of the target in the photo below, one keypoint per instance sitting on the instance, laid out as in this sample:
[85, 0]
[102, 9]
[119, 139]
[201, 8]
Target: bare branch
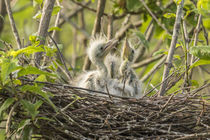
[172, 48]
[12, 23]
[146, 61]
[197, 30]
[96, 28]
[154, 17]
[155, 68]
[44, 25]
[3, 12]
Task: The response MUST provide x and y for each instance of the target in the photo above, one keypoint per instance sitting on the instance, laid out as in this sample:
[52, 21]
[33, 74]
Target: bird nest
[98, 116]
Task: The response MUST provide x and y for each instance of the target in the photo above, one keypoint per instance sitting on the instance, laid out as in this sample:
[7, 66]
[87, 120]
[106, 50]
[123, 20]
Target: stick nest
[84, 116]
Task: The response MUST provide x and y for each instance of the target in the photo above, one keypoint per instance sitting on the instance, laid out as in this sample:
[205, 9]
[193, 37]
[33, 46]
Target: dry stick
[12, 23]
[195, 136]
[197, 29]
[57, 19]
[61, 57]
[9, 119]
[155, 68]
[172, 48]
[43, 26]
[186, 38]
[96, 28]
[83, 31]
[146, 61]
[122, 31]
[110, 27]
[3, 12]
[154, 17]
[69, 16]
[148, 33]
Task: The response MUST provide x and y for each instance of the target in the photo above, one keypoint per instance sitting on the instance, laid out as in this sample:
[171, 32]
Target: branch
[155, 68]
[154, 17]
[172, 48]
[197, 30]
[146, 61]
[62, 58]
[57, 19]
[12, 23]
[3, 12]
[69, 16]
[96, 28]
[43, 26]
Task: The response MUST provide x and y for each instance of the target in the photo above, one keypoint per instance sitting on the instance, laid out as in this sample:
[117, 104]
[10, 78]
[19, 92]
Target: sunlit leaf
[56, 9]
[177, 2]
[33, 70]
[202, 52]
[177, 57]
[161, 51]
[169, 15]
[204, 7]
[28, 50]
[200, 62]
[54, 28]
[38, 15]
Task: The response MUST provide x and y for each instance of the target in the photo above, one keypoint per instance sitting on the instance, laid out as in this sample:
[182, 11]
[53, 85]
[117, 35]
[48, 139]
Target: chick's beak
[126, 49]
[109, 45]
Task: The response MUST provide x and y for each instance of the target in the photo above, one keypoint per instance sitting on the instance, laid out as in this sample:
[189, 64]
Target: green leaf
[177, 57]
[28, 50]
[202, 52]
[39, 1]
[161, 51]
[177, 2]
[6, 104]
[32, 109]
[143, 39]
[133, 5]
[38, 15]
[54, 28]
[200, 62]
[33, 70]
[8, 66]
[23, 123]
[56, 9]
[27, 133]
[37, 90]
[169, 15]
[204, 7]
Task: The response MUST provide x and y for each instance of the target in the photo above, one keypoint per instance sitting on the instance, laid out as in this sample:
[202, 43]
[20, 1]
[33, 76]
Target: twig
[186, 49]
[61, 57]
[155, 68]
[96, 28]
[57, 19]
[71, 15]
[146, 61]
[43, 26]
[3, 12]
[195, 136]
[12, 23]
[9, 119]
[172, 48]
[154, 17]
[197, 30]
[110, 27]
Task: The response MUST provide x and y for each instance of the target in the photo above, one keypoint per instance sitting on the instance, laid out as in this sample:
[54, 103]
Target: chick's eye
[101, 48]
